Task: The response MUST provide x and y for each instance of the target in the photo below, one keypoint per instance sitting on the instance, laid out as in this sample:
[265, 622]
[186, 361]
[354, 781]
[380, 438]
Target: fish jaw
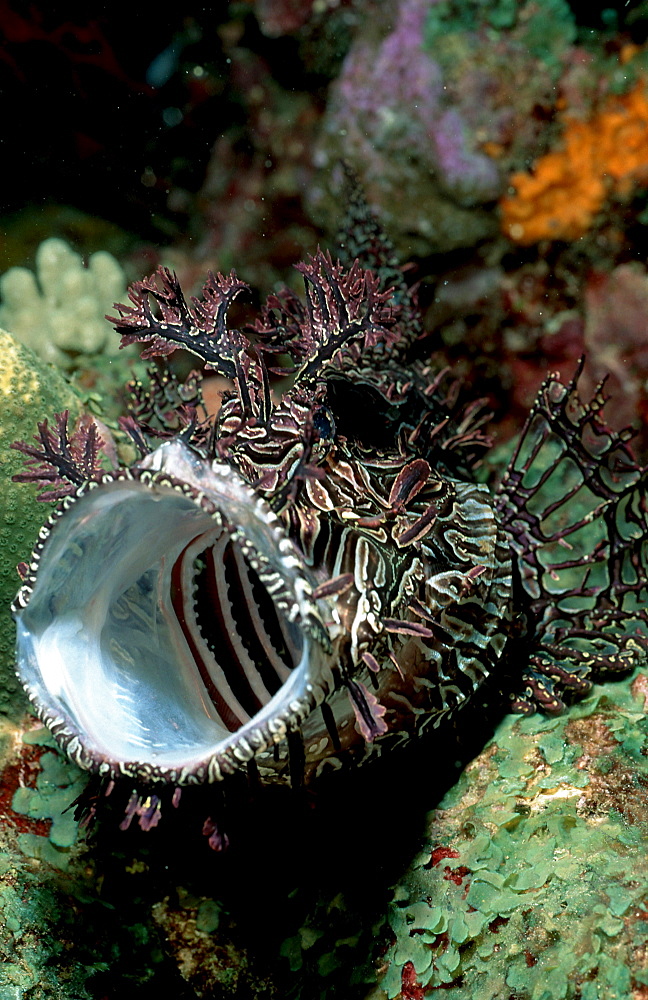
[134, 671]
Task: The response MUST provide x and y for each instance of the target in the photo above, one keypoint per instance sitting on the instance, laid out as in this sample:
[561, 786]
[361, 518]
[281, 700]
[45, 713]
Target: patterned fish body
[310, 580]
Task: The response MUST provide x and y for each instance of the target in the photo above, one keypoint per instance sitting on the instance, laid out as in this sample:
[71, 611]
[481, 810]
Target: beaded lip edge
[250, 741]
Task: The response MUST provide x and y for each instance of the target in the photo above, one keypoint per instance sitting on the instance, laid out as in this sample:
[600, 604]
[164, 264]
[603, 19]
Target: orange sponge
[606, 154]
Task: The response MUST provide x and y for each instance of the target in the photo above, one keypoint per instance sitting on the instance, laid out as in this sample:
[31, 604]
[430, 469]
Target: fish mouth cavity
[167, 629]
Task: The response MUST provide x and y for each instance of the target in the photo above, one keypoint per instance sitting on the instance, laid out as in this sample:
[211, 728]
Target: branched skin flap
[305, 582]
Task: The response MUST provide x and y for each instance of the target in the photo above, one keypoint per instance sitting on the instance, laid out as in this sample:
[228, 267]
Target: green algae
[533, 879]
[59, 936]
[36, 916]
[58, 784]
[530, 882]
[30, 390]
[208, 916]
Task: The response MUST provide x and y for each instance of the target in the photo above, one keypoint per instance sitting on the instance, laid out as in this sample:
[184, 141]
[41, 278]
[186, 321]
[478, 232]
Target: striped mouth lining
[161, 639]
[243, 648]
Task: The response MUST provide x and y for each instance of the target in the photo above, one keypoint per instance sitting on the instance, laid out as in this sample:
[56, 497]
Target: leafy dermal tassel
[200, 327]
[62, 462]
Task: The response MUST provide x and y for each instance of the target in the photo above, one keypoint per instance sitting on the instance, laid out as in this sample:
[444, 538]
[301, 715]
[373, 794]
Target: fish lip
[174, 476]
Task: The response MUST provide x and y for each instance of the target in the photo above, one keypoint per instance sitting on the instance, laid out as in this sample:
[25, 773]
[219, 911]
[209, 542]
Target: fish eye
[324, 423]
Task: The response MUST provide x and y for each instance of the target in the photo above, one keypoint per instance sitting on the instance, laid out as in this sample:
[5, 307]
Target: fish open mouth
[167, 630]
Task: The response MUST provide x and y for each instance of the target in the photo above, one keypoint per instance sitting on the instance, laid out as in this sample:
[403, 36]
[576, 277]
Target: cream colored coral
[59, 311]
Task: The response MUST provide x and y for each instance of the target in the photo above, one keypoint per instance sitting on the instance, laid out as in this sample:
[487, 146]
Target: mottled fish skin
[303, 583]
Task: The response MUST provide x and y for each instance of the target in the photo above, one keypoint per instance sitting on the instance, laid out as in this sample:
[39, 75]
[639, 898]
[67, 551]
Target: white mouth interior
[117, 640]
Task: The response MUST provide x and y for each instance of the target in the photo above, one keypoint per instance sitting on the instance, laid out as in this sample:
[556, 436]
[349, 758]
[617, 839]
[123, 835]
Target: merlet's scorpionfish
[299, 582]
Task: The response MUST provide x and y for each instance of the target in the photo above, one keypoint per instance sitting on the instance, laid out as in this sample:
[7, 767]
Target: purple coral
[393, 93]
[390, 113]
[442, 105]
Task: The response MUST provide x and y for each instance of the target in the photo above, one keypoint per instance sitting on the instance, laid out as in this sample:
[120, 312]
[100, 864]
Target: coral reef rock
[533, 879]
[440, 100]
[28, 389]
